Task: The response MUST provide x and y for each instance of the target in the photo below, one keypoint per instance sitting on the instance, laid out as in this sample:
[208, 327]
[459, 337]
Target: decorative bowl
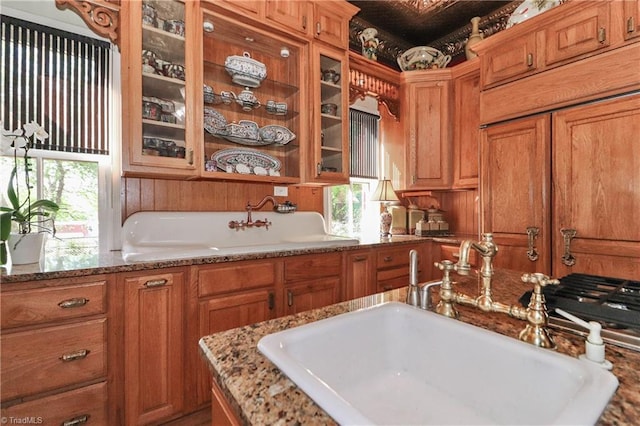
[274, 133]
[422, 58]
[331, 109]
[529, 9]
[245, 71]
[244, 129]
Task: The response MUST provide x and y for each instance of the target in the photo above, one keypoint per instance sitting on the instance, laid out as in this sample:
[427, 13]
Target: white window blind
[58, 79]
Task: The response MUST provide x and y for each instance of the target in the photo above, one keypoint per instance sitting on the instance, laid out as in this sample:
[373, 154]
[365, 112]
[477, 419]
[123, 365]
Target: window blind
[58, 79]
[363, 130]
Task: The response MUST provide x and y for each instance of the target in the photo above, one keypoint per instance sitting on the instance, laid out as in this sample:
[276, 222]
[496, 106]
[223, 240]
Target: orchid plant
[21, 209]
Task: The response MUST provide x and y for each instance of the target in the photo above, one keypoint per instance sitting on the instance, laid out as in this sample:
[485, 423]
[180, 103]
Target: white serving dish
[248, 157]
[529, 9]
[214, 122]
[245, 71]
[421, 58]
[396, 364]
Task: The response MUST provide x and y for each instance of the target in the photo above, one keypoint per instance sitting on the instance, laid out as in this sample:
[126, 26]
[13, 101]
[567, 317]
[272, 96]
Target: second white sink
[395, 364]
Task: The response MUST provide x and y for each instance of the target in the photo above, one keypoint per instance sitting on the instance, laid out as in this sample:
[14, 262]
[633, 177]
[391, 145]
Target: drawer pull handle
[602, 34]
[318, 28]
[76, 302]
[80, 420]
[360, 258]
[74, 356]
[388, 258]
[631, 25]
[156, 283]
[529, 59]
[304, 22]
[289, 298]
[271, 301]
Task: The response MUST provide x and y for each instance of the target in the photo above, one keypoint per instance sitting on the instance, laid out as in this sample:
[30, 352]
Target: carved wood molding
[102, 16]
[367, 78]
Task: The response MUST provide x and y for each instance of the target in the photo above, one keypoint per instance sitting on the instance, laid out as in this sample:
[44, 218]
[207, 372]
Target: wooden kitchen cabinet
[331, 22]
[427, 100]
[392, 266]
[158, 118]
[582, 31]
[312, 281]
[515, 164]
[53, 350]
[596, 175]
[278, 110]
[359, 274]
[466, 124]
[228, 296]
[513, 59]
[153, 318]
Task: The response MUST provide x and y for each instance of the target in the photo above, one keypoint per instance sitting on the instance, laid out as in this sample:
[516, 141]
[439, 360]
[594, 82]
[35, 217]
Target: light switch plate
[280, 191]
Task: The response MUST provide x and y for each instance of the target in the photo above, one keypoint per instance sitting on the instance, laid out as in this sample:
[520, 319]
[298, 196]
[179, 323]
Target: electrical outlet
[280, 191]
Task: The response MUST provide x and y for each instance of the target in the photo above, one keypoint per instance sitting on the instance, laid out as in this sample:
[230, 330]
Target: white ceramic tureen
[245, 71]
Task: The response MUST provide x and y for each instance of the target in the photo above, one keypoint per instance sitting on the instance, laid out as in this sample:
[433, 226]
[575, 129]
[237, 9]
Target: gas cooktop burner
[614, 301]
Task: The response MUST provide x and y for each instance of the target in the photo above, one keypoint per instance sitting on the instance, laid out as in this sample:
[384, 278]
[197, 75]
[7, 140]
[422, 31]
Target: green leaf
[5, 226]
[11, 192]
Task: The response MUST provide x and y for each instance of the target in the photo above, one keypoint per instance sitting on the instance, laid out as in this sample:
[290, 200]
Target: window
[348, 211]
[62, 80]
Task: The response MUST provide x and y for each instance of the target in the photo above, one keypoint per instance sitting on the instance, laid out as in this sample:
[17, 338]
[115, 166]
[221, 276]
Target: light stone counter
[260, 394]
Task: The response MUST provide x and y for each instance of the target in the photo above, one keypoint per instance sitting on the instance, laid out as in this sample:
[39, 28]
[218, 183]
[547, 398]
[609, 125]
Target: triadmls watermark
[25, 420]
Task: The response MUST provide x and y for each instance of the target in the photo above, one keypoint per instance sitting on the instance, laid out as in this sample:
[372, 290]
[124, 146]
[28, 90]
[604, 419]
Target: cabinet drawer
[85, 406]
[393, 283]
[394, 257]
[48, 358]
[510, 60]
[37, 306]
[314, 266]
[237, 276]
[581, 32]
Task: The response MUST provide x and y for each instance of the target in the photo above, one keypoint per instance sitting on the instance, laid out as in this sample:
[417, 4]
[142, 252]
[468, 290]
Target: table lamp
[384, 193]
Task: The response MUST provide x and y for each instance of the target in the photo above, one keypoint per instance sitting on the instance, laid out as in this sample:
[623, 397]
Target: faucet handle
[539, 280]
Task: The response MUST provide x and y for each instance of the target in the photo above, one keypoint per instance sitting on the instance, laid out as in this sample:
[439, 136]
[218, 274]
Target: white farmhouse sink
[151, 236]
[396, 364]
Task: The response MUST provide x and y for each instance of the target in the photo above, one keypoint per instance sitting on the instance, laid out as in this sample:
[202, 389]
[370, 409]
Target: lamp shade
[384, 192]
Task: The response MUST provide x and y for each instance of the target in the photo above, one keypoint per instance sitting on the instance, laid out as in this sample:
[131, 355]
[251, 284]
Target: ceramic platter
[529, 9]
[274, 133]
[245, 160]
[214, 122]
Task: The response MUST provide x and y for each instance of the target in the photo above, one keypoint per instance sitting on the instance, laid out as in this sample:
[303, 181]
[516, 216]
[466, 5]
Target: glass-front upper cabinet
[330, 148]
[253, 110]
[155, 93]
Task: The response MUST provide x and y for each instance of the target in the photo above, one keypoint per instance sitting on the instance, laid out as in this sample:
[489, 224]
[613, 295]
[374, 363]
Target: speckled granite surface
[78, 263]
[261, 394]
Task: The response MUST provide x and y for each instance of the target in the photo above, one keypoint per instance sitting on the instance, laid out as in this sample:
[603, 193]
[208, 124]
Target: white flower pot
[26, 248]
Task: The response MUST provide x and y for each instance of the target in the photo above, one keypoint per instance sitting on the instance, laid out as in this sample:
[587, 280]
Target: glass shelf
[218, 74]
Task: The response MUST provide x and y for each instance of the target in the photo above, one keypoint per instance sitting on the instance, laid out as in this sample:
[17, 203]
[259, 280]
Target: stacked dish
[246, 161]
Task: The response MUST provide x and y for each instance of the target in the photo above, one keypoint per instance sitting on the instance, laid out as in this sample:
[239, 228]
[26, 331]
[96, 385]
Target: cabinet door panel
[292, 14]
[510, 60]
[153, 350]
[597, 183]
[581, 32]
[631, 19]
[515, 168]
[359, 281]
[225, 313]
[466, 131]
[311, 295]
[429, 144]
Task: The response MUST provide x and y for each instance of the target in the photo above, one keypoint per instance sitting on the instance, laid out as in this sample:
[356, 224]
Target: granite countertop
[260, 394]
[78, 262]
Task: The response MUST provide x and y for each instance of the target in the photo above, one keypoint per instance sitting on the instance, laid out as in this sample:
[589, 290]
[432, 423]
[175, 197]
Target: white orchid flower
[41, 134]
[30, 128]
[8, 139]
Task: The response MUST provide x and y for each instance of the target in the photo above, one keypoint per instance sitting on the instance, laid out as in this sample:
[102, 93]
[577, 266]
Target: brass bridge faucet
[535, 314]
[249, 223]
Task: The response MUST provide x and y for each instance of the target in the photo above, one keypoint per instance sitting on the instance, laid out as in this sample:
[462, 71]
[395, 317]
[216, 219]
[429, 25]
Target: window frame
[109, 166]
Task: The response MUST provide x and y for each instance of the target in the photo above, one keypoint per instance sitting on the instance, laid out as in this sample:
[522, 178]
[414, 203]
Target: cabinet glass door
[331, 152]
[163, 85]
[251, 103]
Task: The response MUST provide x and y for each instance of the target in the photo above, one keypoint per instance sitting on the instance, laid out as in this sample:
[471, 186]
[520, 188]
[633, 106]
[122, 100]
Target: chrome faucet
[249, 223]
[535, 314]
[419, 293]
